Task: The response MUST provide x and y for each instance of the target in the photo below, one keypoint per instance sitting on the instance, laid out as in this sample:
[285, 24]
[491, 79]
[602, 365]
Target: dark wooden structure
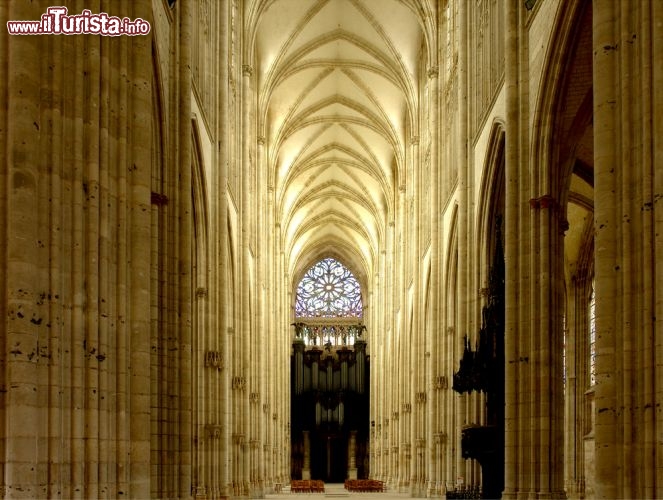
[330, 399]
[482, 369]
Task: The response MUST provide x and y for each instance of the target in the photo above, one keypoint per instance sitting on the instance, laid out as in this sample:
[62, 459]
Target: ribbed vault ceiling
[337, 97]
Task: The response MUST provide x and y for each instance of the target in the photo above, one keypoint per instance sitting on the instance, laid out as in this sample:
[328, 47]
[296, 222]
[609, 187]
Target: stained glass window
[328, 290]
[592, 337]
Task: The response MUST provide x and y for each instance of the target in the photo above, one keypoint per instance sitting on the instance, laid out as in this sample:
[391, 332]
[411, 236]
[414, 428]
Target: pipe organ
[330, 403]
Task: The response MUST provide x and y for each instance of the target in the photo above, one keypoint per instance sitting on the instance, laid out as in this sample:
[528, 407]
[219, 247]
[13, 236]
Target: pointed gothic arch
[205, 350]
[492, 194]
[563, 151]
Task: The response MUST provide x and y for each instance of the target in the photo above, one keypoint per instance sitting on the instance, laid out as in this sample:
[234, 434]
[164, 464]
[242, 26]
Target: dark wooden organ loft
[482, 370]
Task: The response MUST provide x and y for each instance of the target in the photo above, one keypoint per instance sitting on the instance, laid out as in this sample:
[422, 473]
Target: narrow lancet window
[592, 337]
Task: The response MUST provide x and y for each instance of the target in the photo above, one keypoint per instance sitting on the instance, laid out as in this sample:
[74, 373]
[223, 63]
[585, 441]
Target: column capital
[543, 202]
[214, 359]
[547, 201]
[441, 382]
[213, 431]
[440, 437]
[239, 383]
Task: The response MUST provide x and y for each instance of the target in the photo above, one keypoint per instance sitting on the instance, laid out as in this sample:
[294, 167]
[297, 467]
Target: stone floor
[336, 491]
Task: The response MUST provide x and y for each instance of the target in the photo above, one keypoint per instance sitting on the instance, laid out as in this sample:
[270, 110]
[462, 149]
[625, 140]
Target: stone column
[282, 405]
[181, 429]
[402, 389]
[533, 327]
[352, 455]
[465, 405]
[433, 340]
[419, 486]
[221, 292]
[246, 261]
[513, 417]
[75, 234]
[391, 460]
[628, 151]
[416, 310]
[306, 469]
[439, 446]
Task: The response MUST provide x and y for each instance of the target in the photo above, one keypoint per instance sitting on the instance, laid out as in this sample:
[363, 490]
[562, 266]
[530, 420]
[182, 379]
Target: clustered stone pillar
[223, 277]
[434, 340]
[75, 227]
[519, 477]
[628, 203]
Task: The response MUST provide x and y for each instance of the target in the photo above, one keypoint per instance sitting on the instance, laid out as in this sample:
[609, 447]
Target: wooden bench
[307, 486]
[365, 485]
